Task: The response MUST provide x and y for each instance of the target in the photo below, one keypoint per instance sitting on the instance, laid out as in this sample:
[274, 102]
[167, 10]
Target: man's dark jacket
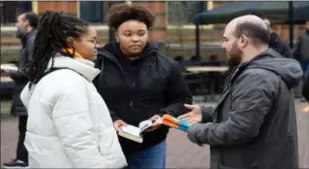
[301, 50]
[254, 124]
[136, 90]
[20, 79]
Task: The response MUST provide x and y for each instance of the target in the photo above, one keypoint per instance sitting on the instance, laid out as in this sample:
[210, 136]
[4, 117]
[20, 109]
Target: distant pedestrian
[26, 32]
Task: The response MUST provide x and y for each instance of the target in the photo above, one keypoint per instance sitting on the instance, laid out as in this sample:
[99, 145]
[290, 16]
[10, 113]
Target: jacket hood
[288, 69]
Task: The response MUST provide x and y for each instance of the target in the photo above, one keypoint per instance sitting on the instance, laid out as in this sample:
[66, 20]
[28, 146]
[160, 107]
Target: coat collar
[81, 66]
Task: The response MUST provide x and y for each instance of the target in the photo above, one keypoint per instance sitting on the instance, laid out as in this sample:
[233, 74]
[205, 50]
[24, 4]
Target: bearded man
[254, 123]
[26, 31]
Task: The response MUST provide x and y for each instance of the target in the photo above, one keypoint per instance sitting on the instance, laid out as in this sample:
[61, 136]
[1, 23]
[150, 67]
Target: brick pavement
[180, 154]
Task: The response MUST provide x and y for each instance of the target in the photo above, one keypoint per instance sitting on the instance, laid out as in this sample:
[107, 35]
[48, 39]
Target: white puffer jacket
[69, 125]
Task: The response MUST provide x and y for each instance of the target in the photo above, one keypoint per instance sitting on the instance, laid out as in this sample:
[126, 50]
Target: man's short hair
[32, 18]
[258, 33]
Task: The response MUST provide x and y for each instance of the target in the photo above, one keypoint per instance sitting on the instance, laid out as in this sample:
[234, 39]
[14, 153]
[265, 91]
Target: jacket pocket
[45, 152]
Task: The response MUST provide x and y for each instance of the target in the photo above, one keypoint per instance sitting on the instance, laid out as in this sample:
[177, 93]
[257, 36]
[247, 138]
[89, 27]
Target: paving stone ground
[181, 152]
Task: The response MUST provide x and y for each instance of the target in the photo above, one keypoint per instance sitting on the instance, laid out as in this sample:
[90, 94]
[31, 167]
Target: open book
[135, 133]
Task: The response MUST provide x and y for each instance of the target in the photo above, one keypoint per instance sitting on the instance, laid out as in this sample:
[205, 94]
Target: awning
[277, 11]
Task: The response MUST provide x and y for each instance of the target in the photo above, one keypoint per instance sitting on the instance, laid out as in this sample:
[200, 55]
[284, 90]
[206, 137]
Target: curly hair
[123, 12]
[53, 30]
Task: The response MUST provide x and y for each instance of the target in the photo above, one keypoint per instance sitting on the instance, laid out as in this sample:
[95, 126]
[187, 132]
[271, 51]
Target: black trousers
[21, 152]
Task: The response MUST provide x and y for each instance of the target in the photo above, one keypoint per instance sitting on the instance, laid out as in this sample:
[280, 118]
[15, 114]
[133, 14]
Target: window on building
[94, 11]
[183, 12]
[9, 10]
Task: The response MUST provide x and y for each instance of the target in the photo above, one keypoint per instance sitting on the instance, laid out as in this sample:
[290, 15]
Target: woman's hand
[118, 124]
[156, 123]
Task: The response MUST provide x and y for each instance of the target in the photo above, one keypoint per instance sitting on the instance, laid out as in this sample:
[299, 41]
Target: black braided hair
[53, 30]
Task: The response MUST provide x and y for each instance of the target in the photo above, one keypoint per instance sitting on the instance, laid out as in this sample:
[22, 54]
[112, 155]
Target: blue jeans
[305, 68]
[153, 157]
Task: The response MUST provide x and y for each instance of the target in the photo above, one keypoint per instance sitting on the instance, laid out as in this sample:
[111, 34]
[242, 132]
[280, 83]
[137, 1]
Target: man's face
[21, 22]
[21, 25]
[233, 51]
[307, 25]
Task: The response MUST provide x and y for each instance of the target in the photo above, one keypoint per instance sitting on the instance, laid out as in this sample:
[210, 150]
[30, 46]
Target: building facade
[92, 11]
[173, 19]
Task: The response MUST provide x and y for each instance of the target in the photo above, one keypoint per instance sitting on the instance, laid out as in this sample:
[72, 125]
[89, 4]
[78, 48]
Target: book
[135, 133]
[9, 67]
[176, 123]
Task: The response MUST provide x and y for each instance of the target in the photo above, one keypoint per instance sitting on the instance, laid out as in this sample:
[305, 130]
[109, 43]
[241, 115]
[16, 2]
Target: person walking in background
[301, 51]
[26, 32]
[254, 123]
[138, 82]
[69, 125]
[276, 43]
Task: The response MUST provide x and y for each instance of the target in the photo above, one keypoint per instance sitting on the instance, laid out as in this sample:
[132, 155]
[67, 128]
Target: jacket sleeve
[207, 113]
[75, 129]
[177, 93]
[30, 46]
[251, 101]
[17, 75]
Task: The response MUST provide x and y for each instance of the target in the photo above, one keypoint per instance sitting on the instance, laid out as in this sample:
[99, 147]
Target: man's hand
[306, 108]
[118, 124]
[195, 114]
[156, 123]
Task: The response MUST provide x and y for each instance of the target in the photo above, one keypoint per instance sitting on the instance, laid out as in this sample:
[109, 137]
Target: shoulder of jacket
[261, 74]
[64, 79]
[165, 59]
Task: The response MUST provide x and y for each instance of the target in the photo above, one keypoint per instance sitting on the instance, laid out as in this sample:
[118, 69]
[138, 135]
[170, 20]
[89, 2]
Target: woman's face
[86, 45]
[132, 36]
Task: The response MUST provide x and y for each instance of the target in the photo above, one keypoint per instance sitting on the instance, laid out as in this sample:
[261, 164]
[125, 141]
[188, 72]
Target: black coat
[20, 79]
[136, 90]
[254, 124]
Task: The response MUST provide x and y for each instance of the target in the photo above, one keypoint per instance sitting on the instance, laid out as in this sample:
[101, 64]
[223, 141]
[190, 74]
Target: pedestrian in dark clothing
[138, 82]
[277, 43]
[26, 32]
[254, 123]
[301, 52]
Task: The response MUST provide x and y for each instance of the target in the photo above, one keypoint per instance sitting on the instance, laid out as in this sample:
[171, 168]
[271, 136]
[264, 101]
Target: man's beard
[234, 56]
[21, 33]
[234, 60]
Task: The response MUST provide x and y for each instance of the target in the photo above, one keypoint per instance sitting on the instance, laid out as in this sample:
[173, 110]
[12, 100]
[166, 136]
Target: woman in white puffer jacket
[69, 125]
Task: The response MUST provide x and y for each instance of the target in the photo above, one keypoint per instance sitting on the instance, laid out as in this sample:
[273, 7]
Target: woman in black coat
[138, 83]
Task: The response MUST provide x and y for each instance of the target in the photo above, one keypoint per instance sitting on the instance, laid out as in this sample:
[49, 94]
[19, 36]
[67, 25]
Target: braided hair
[53, 30]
